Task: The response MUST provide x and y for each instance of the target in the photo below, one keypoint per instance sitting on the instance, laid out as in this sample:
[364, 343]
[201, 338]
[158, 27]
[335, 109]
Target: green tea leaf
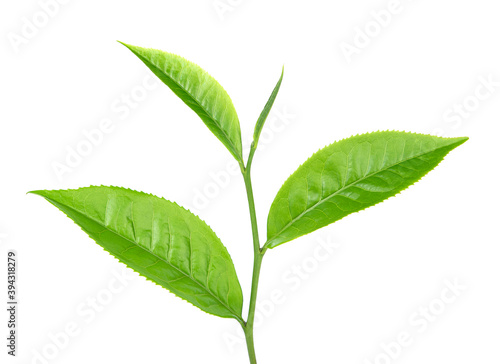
[200, 91]
[349, 176]
[157, 238]
[265, 112]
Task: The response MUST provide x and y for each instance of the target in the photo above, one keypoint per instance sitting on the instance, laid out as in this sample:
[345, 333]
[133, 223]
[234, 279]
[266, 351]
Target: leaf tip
[129, 46]
[459, 141]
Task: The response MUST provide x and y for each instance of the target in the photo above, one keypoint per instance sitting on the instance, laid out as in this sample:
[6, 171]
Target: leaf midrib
[346, 187]
[153, 254]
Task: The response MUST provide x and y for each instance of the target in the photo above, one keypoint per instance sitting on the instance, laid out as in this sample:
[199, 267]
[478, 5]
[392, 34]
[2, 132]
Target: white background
[65, 73]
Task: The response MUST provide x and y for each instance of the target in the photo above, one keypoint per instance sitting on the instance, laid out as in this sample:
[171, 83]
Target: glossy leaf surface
[265, 112]
[200, 91]
[351, 175]
[157, 238]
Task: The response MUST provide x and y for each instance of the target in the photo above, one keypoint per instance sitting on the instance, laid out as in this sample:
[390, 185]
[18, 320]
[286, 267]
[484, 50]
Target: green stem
[251, 347]
[251, 311]
[258, 256]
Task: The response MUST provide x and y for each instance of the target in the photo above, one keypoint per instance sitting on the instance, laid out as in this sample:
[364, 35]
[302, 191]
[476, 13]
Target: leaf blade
[158, 239]
[349, 176]
[265, 112]
[198, 90]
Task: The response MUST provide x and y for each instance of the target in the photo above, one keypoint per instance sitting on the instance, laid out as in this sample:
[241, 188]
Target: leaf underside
[198, 90]
[157, 238]
[349, 176]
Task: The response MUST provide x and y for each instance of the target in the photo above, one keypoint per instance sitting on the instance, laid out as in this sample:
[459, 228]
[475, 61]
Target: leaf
[160, 240]
[265, 112]
[200, 91]
[349, 176]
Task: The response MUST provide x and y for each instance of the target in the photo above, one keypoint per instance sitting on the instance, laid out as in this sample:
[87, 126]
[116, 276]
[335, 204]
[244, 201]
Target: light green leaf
[157, 238]
[200, 91]
[265, 112]
[349, 176]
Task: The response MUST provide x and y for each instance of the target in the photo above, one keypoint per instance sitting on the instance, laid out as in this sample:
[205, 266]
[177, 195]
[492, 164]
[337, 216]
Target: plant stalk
[248, 328]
